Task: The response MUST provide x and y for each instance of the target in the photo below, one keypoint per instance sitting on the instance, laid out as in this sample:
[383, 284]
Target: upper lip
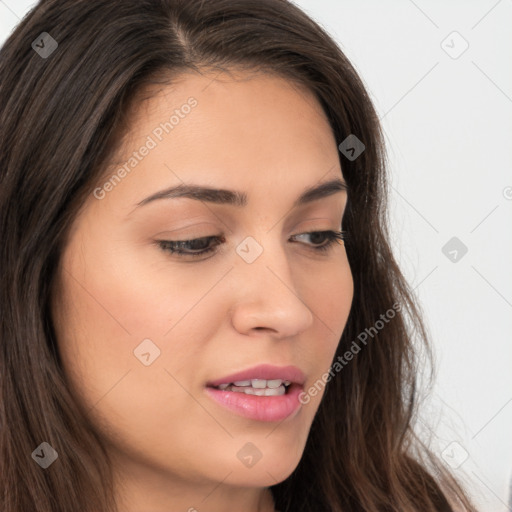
[263, 371]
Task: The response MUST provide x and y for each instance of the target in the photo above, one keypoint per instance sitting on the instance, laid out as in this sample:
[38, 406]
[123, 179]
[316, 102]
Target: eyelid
[194, 230]
[193, 227]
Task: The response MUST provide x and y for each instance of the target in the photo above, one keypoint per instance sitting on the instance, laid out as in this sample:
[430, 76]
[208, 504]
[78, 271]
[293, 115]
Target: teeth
[275, 392]
[259, 387]
[262, 383]
[266, 391]
[259, 391]
[243, 383]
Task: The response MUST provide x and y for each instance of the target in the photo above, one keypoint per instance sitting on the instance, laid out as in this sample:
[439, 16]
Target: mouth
[258, 387]
[263, 376]
[263, 393]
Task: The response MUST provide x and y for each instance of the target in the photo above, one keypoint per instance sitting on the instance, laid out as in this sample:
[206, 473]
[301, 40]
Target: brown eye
[331, 236]
[195, 247]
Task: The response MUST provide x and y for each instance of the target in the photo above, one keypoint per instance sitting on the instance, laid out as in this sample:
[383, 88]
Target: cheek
[329, 296]
[122, 296]
[101, 318]
[330, 300]
[114, 309]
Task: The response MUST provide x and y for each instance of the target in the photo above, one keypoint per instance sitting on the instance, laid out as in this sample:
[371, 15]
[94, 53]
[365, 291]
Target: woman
[247, 359]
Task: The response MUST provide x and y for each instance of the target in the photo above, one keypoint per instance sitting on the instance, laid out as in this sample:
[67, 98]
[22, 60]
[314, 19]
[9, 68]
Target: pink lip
[261, 408]
[263, 371]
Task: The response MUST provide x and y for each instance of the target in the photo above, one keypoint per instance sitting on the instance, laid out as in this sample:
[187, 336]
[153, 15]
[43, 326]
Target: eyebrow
[239, 199]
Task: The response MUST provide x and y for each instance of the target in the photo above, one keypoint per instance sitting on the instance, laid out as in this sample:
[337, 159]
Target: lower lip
[260, 408]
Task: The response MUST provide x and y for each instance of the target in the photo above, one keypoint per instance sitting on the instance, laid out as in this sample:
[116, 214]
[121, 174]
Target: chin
[275, 469]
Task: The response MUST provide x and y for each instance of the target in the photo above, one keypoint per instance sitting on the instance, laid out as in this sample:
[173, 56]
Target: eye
[201, 246]
[194, 248]
[331, 236]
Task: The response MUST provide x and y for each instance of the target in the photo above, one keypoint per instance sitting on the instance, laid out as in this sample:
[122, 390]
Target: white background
[448, 125]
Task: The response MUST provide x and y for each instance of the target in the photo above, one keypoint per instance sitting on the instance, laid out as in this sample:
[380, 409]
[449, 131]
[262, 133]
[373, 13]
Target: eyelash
[171, 245]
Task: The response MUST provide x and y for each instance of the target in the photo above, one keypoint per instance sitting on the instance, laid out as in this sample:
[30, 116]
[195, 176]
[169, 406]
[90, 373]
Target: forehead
[229, 130]
[236, 103]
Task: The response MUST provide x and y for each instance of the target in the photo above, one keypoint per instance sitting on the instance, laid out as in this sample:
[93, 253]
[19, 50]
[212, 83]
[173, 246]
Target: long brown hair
[62, 108]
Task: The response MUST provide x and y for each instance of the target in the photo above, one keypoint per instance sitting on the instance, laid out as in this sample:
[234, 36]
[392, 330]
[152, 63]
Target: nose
[267, 294]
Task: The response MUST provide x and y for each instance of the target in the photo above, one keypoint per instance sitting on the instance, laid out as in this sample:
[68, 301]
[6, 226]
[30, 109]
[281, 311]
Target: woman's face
[143, 332]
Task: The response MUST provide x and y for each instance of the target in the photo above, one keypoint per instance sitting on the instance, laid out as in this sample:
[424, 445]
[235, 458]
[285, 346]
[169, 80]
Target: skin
[174, 448]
